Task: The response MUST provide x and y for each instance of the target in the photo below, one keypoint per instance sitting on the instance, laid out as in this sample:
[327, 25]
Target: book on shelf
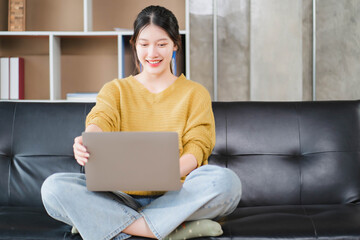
[11, 78]
[82, 97]
[17, 18]
[122, 29]
[4, 78]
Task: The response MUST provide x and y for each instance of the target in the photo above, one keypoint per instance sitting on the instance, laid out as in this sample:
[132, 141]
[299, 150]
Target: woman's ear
[175, 48]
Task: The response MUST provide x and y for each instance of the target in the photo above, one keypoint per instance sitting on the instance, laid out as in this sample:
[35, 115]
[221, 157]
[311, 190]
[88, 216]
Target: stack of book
[11, 78]
[81, 97]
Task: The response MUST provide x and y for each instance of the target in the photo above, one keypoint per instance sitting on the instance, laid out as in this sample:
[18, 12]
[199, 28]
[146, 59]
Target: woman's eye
[162, 44]
[143, 44]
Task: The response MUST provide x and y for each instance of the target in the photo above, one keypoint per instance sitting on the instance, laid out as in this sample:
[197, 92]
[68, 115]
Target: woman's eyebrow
[161, 39]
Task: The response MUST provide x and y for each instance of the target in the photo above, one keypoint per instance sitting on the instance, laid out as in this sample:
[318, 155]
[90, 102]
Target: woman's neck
[156, 83]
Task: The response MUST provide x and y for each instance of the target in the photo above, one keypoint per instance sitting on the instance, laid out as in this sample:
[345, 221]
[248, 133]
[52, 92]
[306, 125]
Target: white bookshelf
[55, 48]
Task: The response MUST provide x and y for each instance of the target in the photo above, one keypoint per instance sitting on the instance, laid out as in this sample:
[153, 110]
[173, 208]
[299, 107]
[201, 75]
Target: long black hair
[160, 17]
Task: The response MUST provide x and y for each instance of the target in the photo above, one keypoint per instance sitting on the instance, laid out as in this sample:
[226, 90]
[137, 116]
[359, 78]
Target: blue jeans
[209, 192]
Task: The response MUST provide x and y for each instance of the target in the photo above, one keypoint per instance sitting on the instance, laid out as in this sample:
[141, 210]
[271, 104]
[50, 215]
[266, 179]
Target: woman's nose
[152, 52]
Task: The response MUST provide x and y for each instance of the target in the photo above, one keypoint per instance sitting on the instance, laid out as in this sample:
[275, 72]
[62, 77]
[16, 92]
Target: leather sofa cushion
[294, 222]
[35, 142]
[266, 222]
[31, 223]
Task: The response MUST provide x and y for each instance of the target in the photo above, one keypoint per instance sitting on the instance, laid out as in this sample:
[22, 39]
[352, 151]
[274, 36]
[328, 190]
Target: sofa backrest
[35, 141]
[284, 153]
[289, 153]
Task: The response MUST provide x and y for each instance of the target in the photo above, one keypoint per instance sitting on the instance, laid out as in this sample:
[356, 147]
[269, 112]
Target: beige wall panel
[307, 55]
[338, 50]
[201, 50]
[233, 50]
[276, 50]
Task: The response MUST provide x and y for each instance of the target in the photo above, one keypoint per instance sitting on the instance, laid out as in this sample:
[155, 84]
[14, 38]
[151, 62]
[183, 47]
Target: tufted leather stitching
[311, 220]
[300, 153]
[9, 176]
[11, 153]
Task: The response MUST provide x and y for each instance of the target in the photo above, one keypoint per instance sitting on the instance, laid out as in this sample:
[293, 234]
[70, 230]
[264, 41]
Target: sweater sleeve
[199, 135]
[106, 113]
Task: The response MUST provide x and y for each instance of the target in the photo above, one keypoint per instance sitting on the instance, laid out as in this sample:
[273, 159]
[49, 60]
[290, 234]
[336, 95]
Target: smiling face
[154, 49]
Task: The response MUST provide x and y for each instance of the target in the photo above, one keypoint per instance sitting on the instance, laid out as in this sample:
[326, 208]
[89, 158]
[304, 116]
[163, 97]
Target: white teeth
[154, 62]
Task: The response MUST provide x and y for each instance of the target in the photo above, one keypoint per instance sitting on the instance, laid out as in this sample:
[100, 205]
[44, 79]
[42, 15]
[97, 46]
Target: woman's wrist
[188, 163]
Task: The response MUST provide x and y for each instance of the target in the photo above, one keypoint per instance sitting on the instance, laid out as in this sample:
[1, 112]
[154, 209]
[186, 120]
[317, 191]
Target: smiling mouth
[153, 62]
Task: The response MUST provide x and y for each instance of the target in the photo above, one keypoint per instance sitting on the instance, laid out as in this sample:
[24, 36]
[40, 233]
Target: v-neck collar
[158, 95]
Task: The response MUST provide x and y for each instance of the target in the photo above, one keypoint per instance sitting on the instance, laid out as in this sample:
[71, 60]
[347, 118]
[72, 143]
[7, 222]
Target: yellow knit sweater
[184, 107]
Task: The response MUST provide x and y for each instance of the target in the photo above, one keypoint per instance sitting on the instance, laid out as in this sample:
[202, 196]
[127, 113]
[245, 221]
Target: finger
[78, 152]
[80, 147]
[78, 140]
[83, 154]
[81, 161]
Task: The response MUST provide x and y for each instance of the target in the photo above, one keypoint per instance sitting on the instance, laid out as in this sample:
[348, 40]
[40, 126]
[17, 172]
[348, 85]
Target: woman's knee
[222, 181]
[57, 185]
[224, 187]
[228, 183]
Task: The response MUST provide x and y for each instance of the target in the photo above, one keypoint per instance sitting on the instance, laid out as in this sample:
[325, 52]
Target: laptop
[132, 161]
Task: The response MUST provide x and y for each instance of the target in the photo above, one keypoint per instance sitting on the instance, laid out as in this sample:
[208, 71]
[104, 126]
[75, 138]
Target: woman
[153, 100]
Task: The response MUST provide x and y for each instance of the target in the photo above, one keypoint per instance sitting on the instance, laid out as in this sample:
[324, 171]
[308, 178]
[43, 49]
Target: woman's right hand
[80, 152]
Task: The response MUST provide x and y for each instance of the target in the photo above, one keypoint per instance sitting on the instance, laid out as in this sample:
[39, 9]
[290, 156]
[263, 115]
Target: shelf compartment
[35, 51]
[122, 13]
[87, 63]
[45, 15]
[4, 6]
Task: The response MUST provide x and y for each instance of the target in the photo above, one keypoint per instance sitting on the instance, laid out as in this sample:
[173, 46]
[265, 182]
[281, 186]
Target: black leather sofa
[299, 163]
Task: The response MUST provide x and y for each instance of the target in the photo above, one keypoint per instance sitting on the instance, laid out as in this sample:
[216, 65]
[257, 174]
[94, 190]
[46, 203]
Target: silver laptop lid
[132, 161]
